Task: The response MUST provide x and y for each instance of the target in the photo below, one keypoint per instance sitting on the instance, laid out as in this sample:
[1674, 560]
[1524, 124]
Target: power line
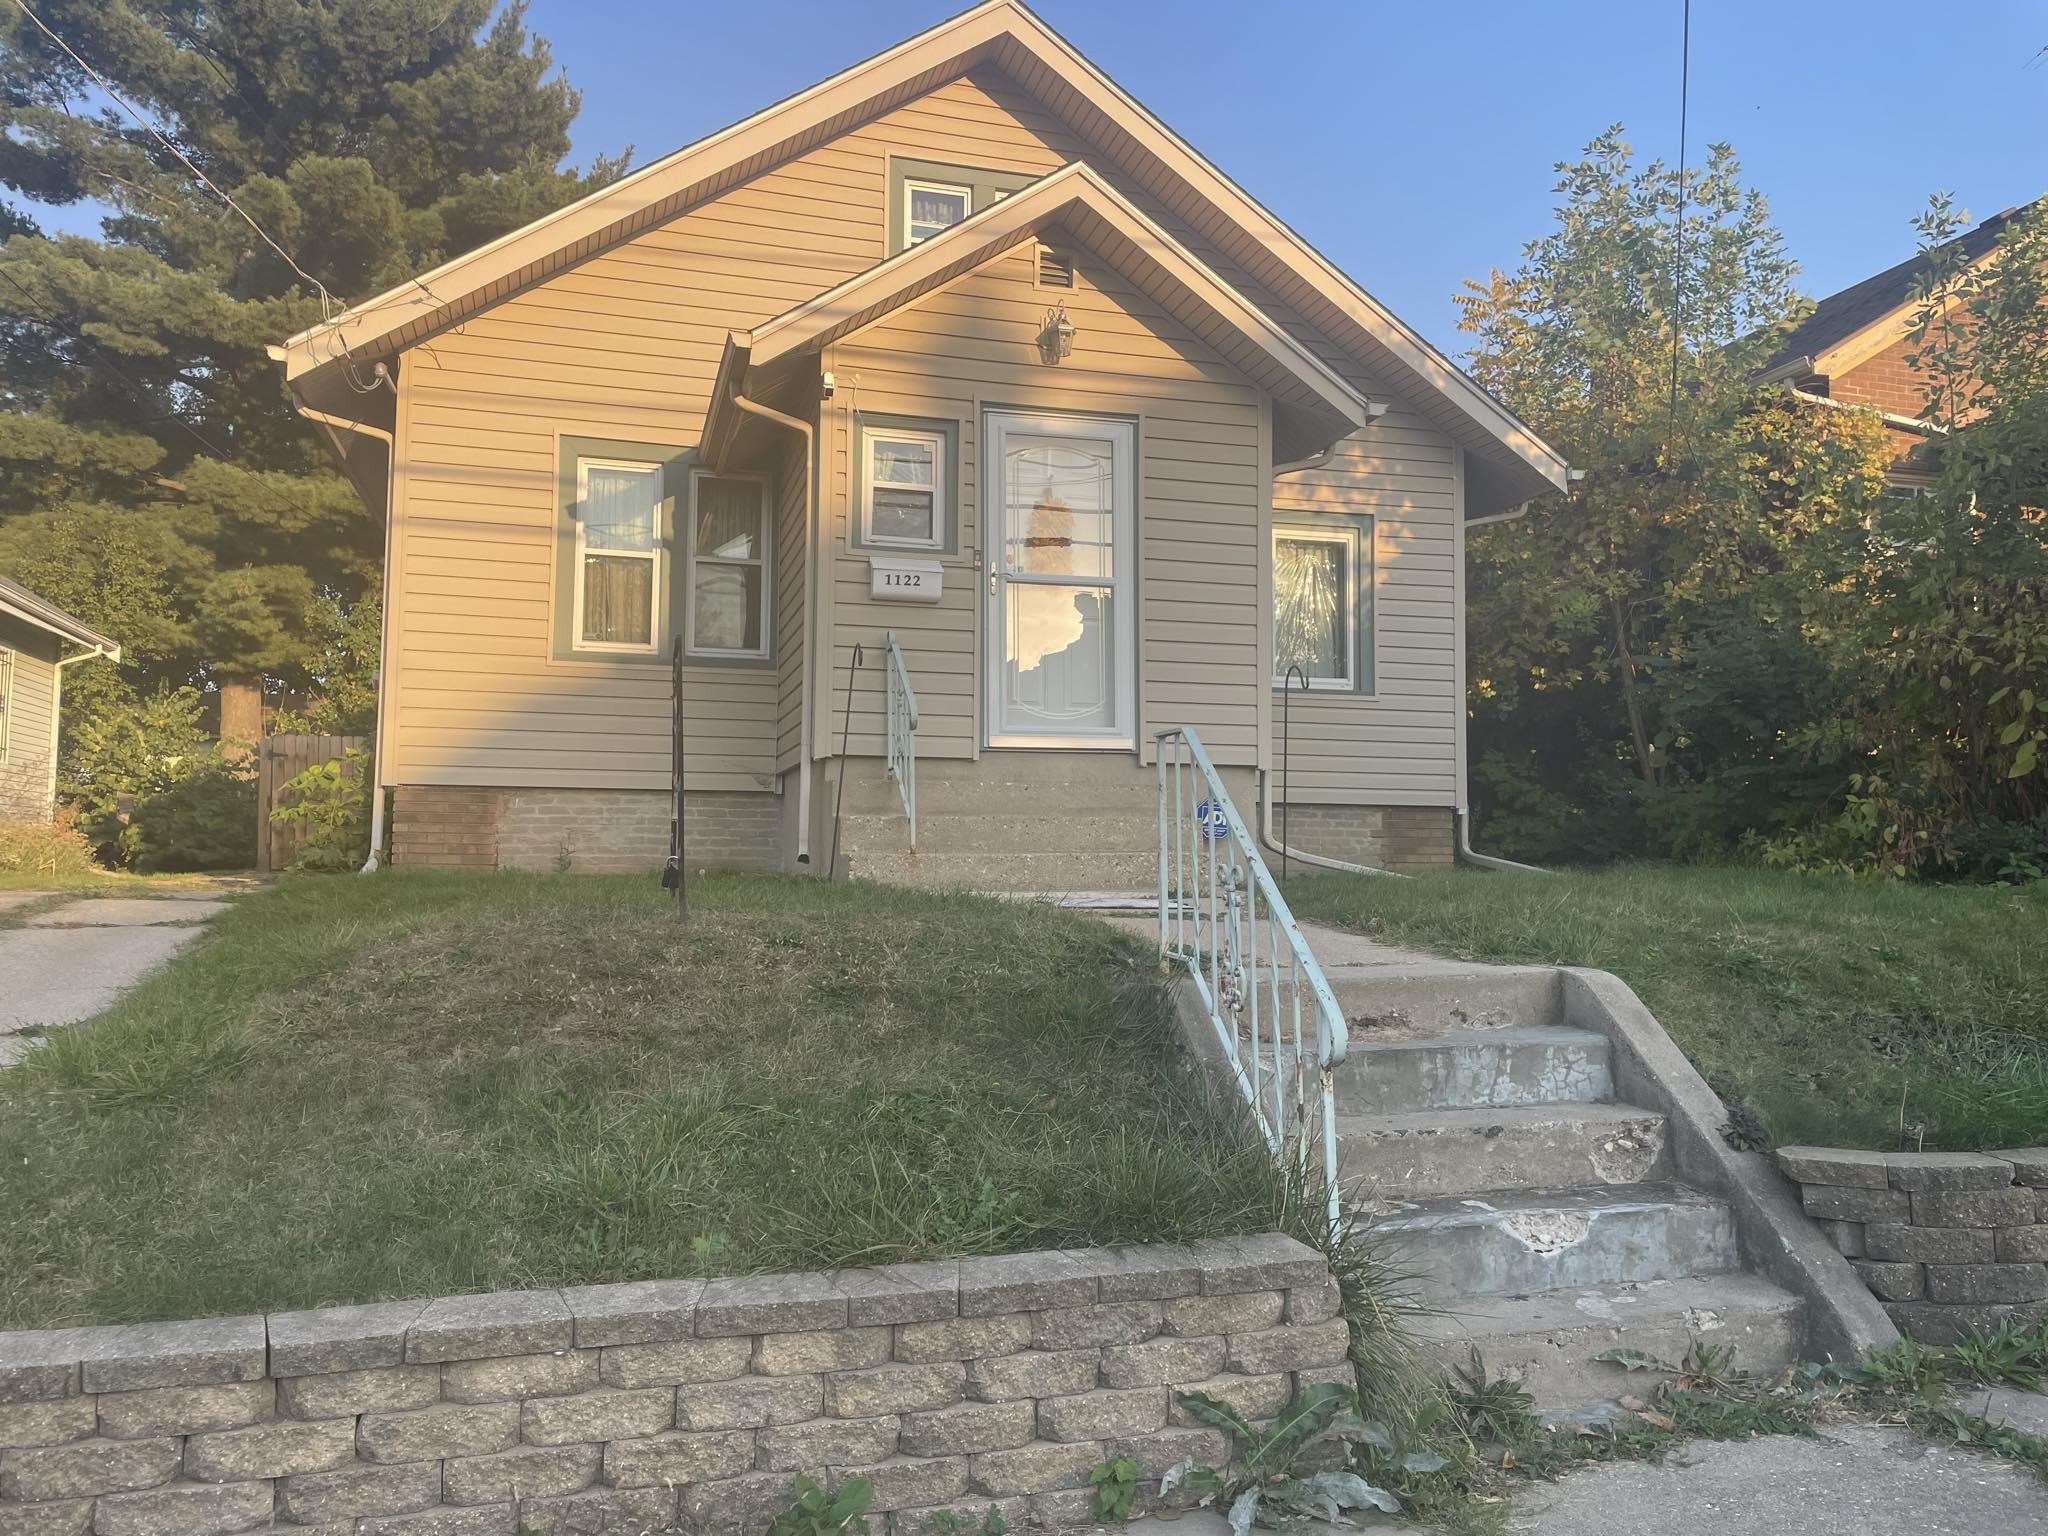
[141, 391]
[326, 299]
[1678, 241]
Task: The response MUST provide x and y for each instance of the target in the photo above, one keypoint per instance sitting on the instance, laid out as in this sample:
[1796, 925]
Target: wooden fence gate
[281, 759]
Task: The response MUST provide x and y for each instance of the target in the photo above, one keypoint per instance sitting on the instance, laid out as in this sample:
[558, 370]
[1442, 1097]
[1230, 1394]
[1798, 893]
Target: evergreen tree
[153, 478]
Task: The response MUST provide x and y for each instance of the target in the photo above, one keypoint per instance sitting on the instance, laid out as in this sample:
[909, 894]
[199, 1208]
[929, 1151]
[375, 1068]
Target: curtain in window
[1310, 627]
[726, 604]
[620, 512]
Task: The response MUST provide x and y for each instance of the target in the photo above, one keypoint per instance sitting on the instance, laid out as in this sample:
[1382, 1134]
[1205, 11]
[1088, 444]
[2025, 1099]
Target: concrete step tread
[1475, 1210]
[1432, 1153]
[1628, 1302]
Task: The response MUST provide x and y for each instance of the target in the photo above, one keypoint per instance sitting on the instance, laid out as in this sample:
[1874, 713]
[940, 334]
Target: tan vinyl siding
[31, 708]
[973, 346]
[1399, 746]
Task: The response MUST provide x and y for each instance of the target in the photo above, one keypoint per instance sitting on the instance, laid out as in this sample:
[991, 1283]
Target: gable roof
[25, 605]
[1824, 341]
[1007, 35]
[1077, 198]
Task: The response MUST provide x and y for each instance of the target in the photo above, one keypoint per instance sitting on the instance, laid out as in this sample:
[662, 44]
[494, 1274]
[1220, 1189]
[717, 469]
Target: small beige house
[38, 640]
[958, 374]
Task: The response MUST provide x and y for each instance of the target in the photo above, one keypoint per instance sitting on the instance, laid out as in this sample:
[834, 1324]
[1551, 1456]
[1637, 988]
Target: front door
[1061, 505]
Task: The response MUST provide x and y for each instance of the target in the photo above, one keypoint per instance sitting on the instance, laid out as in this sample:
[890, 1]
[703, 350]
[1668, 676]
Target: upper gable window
[932, 206]
[928, 197]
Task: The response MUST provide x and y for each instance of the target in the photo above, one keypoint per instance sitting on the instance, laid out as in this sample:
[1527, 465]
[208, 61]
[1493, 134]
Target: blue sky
[1413, 143]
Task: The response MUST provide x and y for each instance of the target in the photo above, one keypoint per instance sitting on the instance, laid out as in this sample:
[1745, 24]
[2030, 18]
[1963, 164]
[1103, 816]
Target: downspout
[1274, 845]
[57, 702]
[343, 424]
[804, 728]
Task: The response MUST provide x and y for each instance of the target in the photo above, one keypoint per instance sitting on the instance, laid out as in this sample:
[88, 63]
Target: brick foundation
[684, 1406]
[1385, 837]
[1948, 1241]
[586, 831]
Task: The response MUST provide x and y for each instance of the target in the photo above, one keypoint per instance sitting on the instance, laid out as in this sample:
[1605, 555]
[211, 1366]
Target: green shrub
[330, 807]
[187, 807]
[47, 848]
[203, 819]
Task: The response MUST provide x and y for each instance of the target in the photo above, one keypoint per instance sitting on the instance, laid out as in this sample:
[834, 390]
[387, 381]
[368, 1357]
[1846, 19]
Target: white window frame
[765, 561]
[653, 556]
[7, 655]
[871, 434]
[1356, 540]
[913, 185]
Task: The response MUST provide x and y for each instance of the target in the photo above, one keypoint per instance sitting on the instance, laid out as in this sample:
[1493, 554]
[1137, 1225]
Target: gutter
[1890, 418]
[336, 424]
[805, 729]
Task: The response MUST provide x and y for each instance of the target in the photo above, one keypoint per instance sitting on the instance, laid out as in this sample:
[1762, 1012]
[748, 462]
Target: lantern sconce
[1056, 336]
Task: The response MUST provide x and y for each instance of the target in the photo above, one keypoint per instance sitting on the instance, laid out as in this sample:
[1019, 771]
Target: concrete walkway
[69, 957]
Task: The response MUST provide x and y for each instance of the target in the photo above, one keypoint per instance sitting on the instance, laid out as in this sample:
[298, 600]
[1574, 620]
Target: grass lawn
[416, 1084]
[1847, 1012]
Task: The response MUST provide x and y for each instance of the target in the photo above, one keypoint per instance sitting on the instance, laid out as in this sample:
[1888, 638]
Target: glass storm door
[1061, 505]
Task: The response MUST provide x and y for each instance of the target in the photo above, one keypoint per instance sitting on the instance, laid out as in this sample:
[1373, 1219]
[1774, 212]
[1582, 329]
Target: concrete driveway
[67, 957]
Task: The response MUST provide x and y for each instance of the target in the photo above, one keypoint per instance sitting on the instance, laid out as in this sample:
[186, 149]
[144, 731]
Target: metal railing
[1223, 920]
[902, 727]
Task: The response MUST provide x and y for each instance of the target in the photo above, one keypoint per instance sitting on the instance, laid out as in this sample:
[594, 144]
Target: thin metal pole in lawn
[1287, 758]
[676, 840]
[845, 732]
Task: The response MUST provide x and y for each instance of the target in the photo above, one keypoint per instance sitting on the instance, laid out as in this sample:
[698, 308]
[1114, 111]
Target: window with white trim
[6, 697]
[932, 207]
[903, 488]
[618, 555]
[728, 566]
[1322, 605]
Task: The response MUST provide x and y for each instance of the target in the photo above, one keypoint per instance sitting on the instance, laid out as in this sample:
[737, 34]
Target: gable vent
[1054, 270]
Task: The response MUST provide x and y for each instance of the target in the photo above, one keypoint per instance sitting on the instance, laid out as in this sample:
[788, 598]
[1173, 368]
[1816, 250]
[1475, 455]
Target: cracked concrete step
[1547, 1240]
[1474, 1069]
[1423, 996]
[1437, 1152]
[999, 871]
[1547, 1341]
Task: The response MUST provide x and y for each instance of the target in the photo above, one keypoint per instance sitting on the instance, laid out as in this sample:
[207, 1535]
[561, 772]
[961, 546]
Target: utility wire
[1678, 240]
[327, 300]
[141, 391]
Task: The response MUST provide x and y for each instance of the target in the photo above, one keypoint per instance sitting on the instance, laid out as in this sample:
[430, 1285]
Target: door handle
[991, 578]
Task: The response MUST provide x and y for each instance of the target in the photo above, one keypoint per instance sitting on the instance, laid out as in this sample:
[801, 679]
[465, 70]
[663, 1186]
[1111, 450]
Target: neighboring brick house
[35, 637]
[1853, 348]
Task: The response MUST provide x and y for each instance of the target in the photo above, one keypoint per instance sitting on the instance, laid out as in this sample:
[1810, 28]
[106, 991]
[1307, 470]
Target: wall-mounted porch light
[1056, 336]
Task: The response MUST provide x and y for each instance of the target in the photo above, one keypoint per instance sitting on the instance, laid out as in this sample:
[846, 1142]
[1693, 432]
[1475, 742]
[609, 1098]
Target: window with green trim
[928, 197]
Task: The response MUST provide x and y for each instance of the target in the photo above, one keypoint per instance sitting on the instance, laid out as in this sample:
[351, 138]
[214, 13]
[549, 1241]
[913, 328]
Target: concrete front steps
[1534, 1215]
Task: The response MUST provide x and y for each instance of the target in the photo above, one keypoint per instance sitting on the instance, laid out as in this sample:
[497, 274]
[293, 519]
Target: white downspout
[1274, 844]
[1487, 860]
[804, 728]
[343, 424]
[57, 703]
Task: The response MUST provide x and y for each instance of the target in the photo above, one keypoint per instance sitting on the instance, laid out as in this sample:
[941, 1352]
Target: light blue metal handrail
[902, 726]
[1223, 920]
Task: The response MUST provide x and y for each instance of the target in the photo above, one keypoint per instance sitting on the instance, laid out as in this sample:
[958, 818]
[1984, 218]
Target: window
[932, 206]
[903, 479]
[728, 557]
[928, 197]
[1322, 605]
[6, 697]
[618, 555]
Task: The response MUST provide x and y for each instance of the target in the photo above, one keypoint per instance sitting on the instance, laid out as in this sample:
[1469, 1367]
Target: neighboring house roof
[1866, 317]
[1005, 34]
[44, 614]
[1076, 199]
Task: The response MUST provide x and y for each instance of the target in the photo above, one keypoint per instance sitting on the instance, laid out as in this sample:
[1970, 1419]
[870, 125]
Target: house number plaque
[905, 581]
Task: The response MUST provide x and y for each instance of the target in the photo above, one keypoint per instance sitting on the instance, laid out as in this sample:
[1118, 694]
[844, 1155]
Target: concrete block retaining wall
[683, 1405]
[1948, 1241]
